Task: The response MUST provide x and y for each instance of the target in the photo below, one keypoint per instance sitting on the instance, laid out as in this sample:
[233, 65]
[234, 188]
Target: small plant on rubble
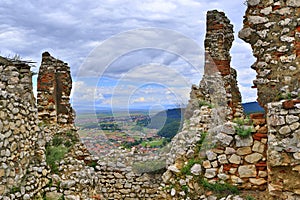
[242, 129]
[205, 103]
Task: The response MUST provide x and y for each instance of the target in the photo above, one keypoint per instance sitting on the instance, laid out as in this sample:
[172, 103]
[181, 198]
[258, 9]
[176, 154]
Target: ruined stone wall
[209, 148]
[19, 133]
[272, 27]
[25, 140]
[54, 89]
[218, 42]
[16, 79]
[283, 149]
[87, 177]
[238, 160]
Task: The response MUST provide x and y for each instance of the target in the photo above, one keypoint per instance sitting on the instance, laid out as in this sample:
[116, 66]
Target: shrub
[57, 140]
[54, 154]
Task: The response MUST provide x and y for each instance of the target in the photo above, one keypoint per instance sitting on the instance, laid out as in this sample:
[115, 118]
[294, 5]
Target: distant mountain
[169, 122]
[252, 107]
[164, 117]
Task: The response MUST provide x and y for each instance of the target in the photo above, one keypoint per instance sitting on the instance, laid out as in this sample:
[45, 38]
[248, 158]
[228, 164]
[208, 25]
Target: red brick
[288, 104]
[278, 54]
[223, 66]
[257, 116]
[226, 167]
[259, 136]
[261, 164]
[215, 27]
[261, 168]
[276, 7]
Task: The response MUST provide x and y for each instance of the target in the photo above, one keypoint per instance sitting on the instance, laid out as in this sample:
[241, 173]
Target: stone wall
[54, 89]
[107, 178]
[16, 79]
[26, 139]
[283, 149]
[218, 42]
[208, 147]
[272, 28]
[238, 160]
[19, 132]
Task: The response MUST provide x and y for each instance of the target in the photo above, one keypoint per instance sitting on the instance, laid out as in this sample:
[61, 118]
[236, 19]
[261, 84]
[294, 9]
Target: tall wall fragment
[273, 30]
[207, 134]
[54, 89]
[19, 131]
[218, 41]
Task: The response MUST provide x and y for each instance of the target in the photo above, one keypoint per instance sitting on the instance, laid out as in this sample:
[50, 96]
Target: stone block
[247, 171]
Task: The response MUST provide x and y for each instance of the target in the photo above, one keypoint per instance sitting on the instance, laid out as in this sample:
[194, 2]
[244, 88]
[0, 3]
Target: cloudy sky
[135, 53]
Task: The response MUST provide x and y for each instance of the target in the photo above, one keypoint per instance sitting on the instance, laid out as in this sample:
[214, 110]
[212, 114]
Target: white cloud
[249, 94]
[73, 29]
[86, 94]
[141, 99]
[158, 6]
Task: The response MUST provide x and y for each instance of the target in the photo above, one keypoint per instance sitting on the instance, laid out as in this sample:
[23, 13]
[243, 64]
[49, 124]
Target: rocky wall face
[218, 42]
[54, 89]
[16, 78]
[272, 28]
[215, 101]
[283, 149]
[239, 160]
[19, 133]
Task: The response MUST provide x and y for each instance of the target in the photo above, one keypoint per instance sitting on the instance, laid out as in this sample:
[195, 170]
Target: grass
[62, 197]
[185, 188]
[57, 140]
[151, 166]
[250, 198]
[202, 144]
[154, 143]
[71, 135]
[58, 147]
[204, 103]
[281, 96]
[92, 164]
[241, 130]
[219, 188]
[54, 154]
[187, 168]
[15, 189]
